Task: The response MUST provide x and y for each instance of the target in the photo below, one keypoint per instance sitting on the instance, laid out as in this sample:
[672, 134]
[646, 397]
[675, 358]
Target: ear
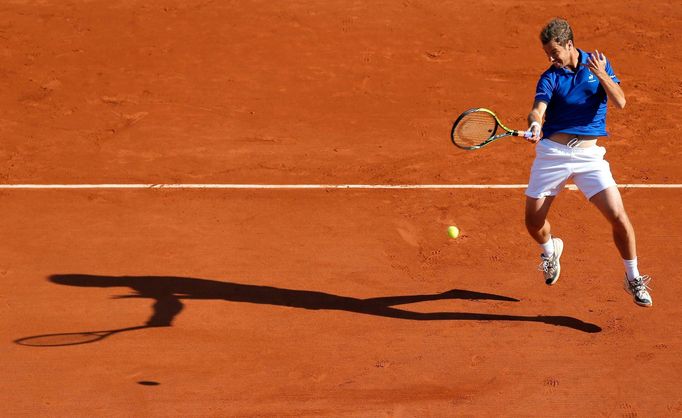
[569, 43]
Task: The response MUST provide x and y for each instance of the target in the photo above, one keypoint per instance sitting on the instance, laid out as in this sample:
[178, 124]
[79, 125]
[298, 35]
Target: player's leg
[610, 204]
[537, 225]
[594, 179]
[548, 177]
[539, 229]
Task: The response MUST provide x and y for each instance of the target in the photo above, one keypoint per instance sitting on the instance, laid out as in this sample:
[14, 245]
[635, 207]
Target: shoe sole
[559, 250]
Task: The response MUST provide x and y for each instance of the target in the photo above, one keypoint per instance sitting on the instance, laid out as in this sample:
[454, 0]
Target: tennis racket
[478, 127]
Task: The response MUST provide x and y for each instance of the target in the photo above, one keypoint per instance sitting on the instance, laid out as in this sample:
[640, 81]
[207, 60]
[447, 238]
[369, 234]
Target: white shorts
[555, 164]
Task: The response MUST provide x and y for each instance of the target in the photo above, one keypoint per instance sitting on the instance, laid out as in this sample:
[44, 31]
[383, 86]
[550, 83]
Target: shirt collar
[582, 57]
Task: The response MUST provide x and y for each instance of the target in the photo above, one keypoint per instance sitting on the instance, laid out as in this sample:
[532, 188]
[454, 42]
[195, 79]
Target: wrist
[601, 76]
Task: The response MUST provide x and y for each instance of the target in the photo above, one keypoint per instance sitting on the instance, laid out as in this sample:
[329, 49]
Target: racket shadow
[167, 293]
[72, 338]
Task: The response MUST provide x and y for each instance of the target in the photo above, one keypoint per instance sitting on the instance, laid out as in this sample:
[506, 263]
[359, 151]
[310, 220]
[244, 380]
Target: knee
[619, 219]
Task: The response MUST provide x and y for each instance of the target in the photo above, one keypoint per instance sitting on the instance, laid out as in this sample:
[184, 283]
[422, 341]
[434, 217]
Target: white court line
[303, 186]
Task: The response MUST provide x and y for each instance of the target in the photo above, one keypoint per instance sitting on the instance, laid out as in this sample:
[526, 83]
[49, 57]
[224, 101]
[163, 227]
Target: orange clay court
[323, 302]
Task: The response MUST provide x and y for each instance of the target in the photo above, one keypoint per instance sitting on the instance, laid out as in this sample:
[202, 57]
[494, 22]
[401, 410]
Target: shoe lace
[641, 284]
[548, 265]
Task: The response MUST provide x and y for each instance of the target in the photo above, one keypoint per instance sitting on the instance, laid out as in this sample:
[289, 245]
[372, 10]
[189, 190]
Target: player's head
[557, 41]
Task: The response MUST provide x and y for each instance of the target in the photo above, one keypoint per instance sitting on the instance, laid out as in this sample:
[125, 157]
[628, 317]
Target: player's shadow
[167, 292]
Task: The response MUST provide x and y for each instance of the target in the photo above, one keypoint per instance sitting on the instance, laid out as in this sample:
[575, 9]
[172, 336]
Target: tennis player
[570, 111]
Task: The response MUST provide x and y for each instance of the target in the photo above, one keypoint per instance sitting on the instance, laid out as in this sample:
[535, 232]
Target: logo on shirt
[591, 79]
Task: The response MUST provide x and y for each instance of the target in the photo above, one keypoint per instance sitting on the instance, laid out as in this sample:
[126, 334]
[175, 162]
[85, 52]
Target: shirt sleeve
[545, 88]
[609, 71]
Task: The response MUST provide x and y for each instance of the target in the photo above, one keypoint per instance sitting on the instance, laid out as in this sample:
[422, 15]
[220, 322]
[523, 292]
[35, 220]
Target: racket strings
[474, 128]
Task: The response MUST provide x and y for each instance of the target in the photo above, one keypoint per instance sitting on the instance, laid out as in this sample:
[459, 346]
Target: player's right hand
[535, 129]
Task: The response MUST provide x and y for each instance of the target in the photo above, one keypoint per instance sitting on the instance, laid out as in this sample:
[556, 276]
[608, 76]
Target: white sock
[548, 248]
[631, 268]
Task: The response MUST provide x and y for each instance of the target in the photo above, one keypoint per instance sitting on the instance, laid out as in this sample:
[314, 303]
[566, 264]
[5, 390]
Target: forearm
[613, 91]
[535, 120]
[534, 116]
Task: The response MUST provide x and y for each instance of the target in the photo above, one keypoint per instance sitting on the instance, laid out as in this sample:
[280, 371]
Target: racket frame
[493, 137]
[71, 338]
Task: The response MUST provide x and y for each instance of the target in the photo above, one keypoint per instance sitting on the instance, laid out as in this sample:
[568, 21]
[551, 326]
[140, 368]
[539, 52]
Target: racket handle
[525, 134]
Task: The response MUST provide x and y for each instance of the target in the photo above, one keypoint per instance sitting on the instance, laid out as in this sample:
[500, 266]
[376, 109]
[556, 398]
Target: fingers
[534, 129]
[536, 136]
[592, 61]
[596, 57]
[600, 56]
[596, 62]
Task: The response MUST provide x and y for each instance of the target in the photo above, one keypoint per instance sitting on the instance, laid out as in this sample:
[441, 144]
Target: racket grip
[526, 134]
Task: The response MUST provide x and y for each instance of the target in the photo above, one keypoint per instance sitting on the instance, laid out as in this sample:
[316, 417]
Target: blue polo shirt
[576, 101]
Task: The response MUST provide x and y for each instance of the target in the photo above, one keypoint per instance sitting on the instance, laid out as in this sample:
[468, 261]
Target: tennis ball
[453, 231]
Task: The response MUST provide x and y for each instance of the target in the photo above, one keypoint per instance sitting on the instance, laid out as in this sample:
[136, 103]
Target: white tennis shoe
[639, 289]
[550, 266]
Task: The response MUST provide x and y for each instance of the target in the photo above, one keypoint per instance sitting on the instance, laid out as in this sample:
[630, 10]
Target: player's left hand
[596, 62]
